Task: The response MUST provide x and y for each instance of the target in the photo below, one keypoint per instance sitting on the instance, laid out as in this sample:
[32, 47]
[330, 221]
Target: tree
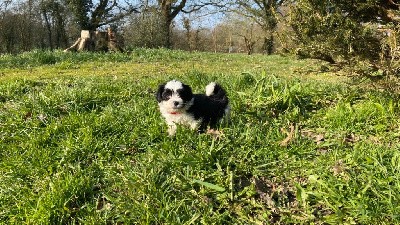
[91, 16]
[143, 30]
[20, 25]
[340, 31]
[264, 13]
[188, 28]
[53, 13]
[4, 5]
[169, 9]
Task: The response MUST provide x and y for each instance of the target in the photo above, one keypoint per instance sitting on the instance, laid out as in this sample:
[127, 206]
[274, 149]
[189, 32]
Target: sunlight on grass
[82, 141]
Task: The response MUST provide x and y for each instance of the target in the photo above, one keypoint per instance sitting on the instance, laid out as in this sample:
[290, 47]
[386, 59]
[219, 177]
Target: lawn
[82, 142]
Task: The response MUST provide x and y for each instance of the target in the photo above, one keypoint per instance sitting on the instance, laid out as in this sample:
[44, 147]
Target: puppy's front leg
[171, 129]
[195, 125]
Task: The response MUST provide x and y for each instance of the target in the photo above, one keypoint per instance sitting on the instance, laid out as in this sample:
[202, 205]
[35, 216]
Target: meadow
[82, 142]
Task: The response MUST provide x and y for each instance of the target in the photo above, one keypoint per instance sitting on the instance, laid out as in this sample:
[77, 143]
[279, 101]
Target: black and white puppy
[178, 105]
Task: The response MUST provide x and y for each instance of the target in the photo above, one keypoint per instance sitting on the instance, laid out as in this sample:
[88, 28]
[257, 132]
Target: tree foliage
[264, 13]
[357, 32]
[93, 14]
[342, 31]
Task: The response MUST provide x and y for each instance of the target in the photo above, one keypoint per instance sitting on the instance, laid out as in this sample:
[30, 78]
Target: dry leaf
[351, 138]
[28, 115]
[338, 168]
[215, 133]
[103, 203]
[319, 139]
[374, 139]
[289, 137]
[42, 118]
[323, 150]
[307, 133]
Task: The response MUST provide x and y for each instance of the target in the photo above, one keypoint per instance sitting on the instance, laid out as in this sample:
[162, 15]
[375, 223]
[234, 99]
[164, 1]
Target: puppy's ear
[159, 92]
[187, 87]
[186, 92]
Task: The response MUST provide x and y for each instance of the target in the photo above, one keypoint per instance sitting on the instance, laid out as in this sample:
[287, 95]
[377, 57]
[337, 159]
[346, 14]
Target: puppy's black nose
[176, 103]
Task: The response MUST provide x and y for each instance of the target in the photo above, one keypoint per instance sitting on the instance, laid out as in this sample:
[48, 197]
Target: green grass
[82, 142]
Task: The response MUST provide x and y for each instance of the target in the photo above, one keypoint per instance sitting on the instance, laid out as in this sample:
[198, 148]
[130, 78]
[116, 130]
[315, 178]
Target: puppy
[178, 105]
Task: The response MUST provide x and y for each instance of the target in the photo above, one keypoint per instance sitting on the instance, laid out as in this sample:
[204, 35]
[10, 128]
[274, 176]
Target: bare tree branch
[198, 6]
[177, 9]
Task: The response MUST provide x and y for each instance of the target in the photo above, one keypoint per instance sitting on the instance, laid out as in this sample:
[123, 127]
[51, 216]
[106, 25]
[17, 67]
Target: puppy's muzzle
[178, 105]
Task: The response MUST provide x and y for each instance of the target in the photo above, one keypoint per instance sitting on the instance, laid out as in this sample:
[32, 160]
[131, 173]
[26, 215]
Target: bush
[347, 34]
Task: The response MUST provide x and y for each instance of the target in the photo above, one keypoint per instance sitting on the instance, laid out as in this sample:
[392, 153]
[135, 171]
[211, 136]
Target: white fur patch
[174, 85]
[181, 117]
[210, 88]
[175, 103]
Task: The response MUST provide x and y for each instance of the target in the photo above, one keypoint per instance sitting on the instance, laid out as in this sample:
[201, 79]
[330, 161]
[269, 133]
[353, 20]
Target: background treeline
[359, 33]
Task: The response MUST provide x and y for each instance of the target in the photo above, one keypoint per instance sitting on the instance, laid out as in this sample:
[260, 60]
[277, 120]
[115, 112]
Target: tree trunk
[48, 26]
[167, 33]
[96, 41]
[249, 45]
[61, 38]
[214, 38]
[268, 45]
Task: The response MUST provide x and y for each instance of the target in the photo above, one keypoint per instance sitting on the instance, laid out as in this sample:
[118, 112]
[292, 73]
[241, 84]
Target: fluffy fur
[178, 105]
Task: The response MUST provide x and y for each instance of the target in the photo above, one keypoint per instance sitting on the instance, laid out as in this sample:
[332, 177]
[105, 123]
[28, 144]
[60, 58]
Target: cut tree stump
[105, 41]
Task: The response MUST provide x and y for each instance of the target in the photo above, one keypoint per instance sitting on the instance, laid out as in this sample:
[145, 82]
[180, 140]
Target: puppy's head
[174, 96]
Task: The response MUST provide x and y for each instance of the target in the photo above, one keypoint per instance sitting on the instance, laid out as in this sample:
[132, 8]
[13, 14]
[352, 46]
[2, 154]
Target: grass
[82, 142]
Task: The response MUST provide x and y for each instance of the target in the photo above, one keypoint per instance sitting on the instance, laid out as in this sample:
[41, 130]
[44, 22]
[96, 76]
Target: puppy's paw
[171, 130]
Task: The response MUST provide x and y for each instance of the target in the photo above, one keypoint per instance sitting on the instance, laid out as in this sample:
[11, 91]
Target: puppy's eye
[166, 94]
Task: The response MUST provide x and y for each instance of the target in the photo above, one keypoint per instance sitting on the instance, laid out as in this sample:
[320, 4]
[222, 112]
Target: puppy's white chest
[183, 119]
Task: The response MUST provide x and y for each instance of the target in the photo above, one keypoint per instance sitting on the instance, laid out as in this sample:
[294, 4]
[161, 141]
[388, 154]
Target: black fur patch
[162, 93]
[185, 93]
[210, 110]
